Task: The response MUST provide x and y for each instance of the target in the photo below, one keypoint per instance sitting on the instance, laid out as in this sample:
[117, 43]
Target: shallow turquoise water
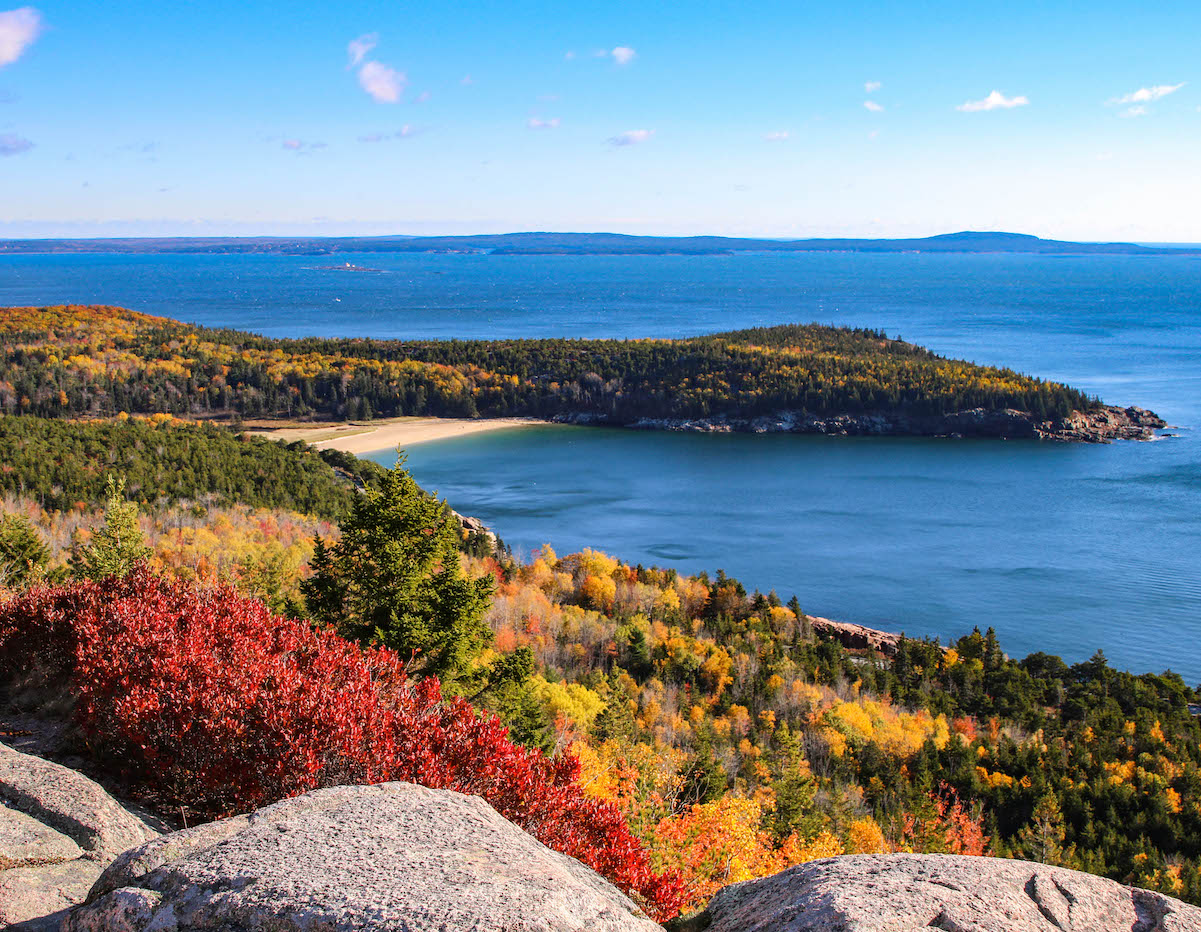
[1061, 548]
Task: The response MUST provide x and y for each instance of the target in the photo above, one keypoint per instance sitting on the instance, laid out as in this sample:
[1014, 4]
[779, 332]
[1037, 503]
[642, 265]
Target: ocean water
[1061, 548]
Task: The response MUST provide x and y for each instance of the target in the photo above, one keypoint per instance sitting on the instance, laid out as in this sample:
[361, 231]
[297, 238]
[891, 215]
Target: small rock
[38, 897]
[25, 841]
[69, 802]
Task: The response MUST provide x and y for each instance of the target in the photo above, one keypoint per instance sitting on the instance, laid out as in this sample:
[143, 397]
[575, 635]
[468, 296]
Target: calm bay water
[1061, 548]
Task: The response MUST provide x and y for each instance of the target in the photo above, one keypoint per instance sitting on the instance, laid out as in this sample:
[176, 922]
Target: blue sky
[777, 119]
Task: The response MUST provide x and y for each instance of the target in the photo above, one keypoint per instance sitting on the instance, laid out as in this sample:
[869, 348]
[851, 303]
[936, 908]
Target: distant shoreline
[584, 244]
[362, 437]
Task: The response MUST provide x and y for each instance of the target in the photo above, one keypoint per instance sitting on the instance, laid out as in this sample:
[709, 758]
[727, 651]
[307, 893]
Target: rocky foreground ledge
[404, 858]
[1101, 426]
[396, 857]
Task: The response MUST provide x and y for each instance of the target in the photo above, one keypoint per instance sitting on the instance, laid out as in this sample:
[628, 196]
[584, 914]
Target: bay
[1065, 549]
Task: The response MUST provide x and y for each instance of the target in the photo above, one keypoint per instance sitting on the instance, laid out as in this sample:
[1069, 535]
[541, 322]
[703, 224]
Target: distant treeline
[60, 463]
[101, 361]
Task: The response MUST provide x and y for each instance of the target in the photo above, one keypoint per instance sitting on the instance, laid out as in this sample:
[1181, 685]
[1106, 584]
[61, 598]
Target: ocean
[1061, 548]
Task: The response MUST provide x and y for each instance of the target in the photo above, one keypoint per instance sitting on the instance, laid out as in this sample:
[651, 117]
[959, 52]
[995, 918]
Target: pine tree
[118, 546]
[394, 578]
[23, 554]
[1042, 839]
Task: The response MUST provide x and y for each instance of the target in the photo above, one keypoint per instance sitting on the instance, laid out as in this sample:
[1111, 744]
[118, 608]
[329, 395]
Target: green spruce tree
[24, 556]
[394, 578]
[118, 546]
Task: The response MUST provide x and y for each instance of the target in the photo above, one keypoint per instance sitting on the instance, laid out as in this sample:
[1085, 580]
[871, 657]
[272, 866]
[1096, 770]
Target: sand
[374, 436]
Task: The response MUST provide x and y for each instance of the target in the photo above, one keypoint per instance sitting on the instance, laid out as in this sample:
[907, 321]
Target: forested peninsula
[97, 361]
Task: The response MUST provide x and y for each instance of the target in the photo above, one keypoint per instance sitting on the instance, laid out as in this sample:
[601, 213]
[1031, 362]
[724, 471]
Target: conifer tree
[23, 553]
[394, 578]
[118, 546]
[1042, 839]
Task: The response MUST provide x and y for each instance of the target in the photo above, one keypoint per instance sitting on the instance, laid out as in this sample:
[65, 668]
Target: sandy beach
[370, 437]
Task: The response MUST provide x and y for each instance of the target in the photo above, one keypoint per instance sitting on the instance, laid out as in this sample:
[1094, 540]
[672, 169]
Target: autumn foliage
[202, 698]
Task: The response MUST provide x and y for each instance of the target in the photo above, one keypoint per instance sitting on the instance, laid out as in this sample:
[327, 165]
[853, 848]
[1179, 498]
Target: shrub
[202, 698]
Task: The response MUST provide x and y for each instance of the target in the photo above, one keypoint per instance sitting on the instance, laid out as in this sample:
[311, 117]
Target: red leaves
[206, 699]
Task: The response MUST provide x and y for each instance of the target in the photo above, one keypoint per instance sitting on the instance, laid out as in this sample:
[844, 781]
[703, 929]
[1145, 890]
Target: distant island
[795, 378]
[583, 244]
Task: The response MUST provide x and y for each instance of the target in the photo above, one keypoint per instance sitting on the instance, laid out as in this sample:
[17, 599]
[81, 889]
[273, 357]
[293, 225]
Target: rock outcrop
[856, 637]
[902, 892]
[394, 856]
[1101, 426]
[58, 831]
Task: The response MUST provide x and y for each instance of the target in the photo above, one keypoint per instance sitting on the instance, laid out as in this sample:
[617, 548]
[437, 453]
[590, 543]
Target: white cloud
[623, 54]
[994, 101]
[568, 56]
[631, 137]
[873, 106]
[871, 87]
[538, 123]
[1147, 94]
[18, 29]
[422, 97]
[778, 135]
[358, 49]
[13, 145]
[1134, 112]
[383, 83]
[467, 80]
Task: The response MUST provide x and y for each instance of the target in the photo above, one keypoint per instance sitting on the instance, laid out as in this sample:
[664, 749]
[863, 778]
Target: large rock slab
[70, 803]
[389, 857]
[904, 892]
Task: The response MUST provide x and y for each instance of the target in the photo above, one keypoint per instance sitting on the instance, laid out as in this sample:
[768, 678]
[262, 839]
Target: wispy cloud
[994, 101]
[1145, 95]
[623, 54]
[873, 106]
[18, 29]
[569, 56]
[300, 147]
[1136, 111]
[631, 137]
[385, 84]
[778, 135]
[467, 80]
[539, 123]
[360, 48]
[403, 133]
[871, 87]
[14, 145]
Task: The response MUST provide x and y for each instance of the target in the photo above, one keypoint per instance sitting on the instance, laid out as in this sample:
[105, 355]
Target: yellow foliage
[865, 837]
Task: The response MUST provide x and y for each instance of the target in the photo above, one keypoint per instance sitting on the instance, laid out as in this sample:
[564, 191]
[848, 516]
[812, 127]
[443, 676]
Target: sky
[791, 119]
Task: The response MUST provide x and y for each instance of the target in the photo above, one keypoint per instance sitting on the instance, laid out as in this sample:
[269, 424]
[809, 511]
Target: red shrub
[206, 699]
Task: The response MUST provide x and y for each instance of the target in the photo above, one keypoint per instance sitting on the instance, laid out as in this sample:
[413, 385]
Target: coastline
[360, 438]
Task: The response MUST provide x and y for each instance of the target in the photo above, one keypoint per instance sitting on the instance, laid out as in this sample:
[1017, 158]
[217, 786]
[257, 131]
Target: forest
[720, 737]
[103, 361]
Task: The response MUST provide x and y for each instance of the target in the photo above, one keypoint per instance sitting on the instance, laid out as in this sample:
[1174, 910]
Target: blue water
[1060, 548]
